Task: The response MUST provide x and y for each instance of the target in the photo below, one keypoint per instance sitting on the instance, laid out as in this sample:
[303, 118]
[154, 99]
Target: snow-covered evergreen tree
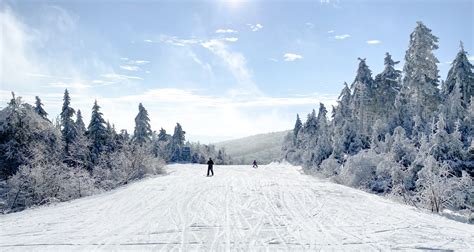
[177, 142]
[377, 142]
[404, 114]
[68, 127]
[143, 132]
[39, 108]
[24, 132]
[297, 128]
[387, 85]
[362, 102]
[80, 126]
[346, 138]
[453, 107]
[446, 147]
[461, 74]
[421, 72]
[163, 136]
[323, 148]
[111, 140]
[467, 126]
[402, 150]
[96, 132]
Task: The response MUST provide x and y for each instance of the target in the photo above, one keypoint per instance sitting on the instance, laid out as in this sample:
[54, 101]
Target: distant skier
[210, 163]
[255, 164]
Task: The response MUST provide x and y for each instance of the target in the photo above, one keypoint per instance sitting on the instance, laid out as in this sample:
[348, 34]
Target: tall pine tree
[297, 128]
[177, 142]
[421, 72]
[362, 104]
[97, 132]
[81, 127]
[387, 87]
[142, 133]
[68, 127]
[461, 74]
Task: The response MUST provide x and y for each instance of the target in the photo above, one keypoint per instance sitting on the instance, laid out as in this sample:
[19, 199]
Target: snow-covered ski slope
[274, 207]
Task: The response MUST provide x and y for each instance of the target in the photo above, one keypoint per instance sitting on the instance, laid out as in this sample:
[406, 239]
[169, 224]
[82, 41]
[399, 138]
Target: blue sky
[223, 69]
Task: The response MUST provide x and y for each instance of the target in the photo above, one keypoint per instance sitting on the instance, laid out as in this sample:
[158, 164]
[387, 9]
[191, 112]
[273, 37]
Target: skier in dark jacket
[255, 164]
[210, 163]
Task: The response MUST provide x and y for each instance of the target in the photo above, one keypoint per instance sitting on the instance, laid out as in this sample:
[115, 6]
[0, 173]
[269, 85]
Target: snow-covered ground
[274, 207]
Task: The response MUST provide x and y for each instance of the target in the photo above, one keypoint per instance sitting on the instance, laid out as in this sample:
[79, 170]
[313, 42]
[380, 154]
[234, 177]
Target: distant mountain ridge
[264, 148]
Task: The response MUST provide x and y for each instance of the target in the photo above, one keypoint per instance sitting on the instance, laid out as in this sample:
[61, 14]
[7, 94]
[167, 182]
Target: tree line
[44, 161]
[405, 133]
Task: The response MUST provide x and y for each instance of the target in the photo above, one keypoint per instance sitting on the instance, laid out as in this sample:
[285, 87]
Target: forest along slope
[272, 207]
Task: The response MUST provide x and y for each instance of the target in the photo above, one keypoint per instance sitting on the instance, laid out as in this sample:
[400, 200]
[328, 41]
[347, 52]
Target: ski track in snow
[274, 207]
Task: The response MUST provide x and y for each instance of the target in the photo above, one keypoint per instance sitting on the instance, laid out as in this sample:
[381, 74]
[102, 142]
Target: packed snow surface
[274, 207]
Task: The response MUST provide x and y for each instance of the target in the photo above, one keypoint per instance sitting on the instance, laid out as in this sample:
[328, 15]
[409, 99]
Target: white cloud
[138, 62]
[173, 40]
[292, 57]
[148, 41]
[130, 68]
[273, 59]
[310, 25]
[226, 31]
[27, 66]
[373, 42]
[342, 37]
[330, 31]
[470, 58]
[124, 58]
[232, 39]
[255, 27]
[118, 77]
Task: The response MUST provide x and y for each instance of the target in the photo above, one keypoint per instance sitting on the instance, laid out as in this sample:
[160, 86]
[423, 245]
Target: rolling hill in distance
[264, 148]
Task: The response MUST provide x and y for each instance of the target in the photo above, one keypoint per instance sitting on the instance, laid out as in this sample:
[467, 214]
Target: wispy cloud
[226, 31]
[255, 27]
[309, 25]
[205, 66]
[330, 31]
[373, 42]
[173, 40]
[148, 40]
[237, 65]
[114, 76]
[17, 57]
[138, 62]
[232, 39]
[273, 59]
[342, 37]
[470, 58]
[130, 68]
[291, 57]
